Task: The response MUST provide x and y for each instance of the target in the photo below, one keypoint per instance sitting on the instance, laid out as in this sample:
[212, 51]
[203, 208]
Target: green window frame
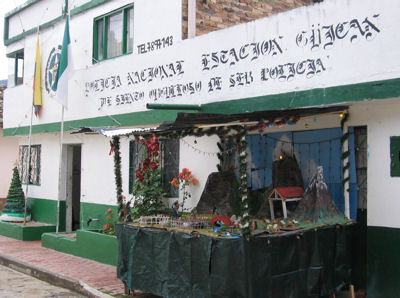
[29, 171]
[113, 34]
[169, 163]
[16, 68]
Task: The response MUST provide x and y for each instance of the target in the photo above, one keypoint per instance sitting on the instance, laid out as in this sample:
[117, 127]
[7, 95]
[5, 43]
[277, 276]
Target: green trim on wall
[315, 97]
[88, 244]
[46, 211]
[73, 12]
[8, 41]
[383, 262]
[20, 8]
[87, 6]
[146, 117]
[307, 98]
[24, 233]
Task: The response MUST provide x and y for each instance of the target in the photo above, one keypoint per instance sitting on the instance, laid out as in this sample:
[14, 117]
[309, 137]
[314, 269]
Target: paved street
[15, 284]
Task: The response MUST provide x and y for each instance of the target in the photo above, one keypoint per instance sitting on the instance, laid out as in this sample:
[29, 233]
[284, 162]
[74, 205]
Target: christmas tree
[14, 208]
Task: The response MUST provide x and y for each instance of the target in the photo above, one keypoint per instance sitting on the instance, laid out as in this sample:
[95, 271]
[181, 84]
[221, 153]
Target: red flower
[140, 176]
[106, 226]
[175, 182]
[153, 165]
[107, 217]
[109, 210]
[195, 181]
[153, 146]
[146, 164]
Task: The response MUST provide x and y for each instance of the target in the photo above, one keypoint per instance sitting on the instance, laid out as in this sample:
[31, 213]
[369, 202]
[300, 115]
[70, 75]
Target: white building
[336, 53]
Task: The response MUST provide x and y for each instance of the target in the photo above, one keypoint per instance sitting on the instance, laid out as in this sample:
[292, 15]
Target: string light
[205, 152]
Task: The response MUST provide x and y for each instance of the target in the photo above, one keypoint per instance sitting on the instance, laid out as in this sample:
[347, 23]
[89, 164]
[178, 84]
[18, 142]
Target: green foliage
[148, 187]
[15, 198]
[109, 227]
[148, 193]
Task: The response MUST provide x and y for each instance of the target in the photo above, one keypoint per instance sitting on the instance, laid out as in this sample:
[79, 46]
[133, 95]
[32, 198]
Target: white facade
[220, 66]
[284, 43]
[8, 156]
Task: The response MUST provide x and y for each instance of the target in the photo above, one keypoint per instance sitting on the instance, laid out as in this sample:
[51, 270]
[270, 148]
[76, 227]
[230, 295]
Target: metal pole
[29, 163]
[60, 170]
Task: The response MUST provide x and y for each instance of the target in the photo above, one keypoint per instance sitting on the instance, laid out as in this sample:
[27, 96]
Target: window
[29, 173]
[16, 68]
[113, 34]
[169, 163]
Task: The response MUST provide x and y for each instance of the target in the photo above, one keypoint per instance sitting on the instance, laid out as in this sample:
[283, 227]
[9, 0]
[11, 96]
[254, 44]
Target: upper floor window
[113, 34]
[29, 171]
[16, 68]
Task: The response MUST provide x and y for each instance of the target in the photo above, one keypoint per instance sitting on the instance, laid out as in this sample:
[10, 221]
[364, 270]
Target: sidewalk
[84, 276]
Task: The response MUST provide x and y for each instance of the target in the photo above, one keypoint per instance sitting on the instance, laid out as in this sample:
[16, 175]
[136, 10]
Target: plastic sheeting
[310, 263]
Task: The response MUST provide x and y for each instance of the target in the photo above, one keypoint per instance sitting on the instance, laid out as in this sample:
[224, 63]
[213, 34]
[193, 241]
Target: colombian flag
[37, 81]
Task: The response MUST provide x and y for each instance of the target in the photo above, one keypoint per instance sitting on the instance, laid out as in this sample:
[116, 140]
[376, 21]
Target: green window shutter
[395, 156]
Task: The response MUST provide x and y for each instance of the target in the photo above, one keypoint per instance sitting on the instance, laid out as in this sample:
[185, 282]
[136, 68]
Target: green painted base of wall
[46, 211]
[383, 262]
[24, 233]
[97, 212]
[88, 244]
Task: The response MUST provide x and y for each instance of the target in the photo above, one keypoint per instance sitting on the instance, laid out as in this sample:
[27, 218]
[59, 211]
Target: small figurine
[193, 214]
[174, 209]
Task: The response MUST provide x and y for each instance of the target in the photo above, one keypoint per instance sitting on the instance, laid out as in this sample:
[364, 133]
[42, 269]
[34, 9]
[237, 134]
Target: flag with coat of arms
[61, 83]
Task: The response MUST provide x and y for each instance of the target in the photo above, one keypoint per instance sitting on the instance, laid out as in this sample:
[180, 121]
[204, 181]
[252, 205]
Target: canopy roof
[191, 121]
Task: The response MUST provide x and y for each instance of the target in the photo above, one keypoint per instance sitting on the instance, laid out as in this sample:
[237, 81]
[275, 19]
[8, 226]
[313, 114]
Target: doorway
[73, 203]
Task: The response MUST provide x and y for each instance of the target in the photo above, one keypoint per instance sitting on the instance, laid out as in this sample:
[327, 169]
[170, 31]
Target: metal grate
[361, 145]
[169, 163]
[29, 171]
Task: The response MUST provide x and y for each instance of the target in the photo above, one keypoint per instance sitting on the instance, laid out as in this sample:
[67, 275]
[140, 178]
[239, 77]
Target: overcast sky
[5, 6]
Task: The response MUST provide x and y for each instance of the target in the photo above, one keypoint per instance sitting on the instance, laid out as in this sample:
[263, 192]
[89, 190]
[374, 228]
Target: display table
[310, 263]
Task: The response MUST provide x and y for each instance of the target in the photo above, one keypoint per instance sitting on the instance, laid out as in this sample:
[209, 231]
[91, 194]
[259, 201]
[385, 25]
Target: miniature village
[286, 206]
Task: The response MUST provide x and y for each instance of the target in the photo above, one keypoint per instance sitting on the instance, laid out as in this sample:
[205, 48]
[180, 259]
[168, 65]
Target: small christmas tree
[14, 208]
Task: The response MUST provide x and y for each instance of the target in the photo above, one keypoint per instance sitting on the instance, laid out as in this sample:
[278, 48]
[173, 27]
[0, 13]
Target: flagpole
[61, 85]
[28, 166]
[29, 139]
[60, 170]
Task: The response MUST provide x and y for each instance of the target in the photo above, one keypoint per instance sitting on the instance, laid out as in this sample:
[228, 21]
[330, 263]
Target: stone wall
[218, 14]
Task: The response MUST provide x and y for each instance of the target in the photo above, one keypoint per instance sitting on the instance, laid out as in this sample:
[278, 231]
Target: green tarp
[312, 263]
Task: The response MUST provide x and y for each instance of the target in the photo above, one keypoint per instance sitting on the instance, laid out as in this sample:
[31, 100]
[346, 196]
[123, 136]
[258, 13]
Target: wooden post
[352, 291]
